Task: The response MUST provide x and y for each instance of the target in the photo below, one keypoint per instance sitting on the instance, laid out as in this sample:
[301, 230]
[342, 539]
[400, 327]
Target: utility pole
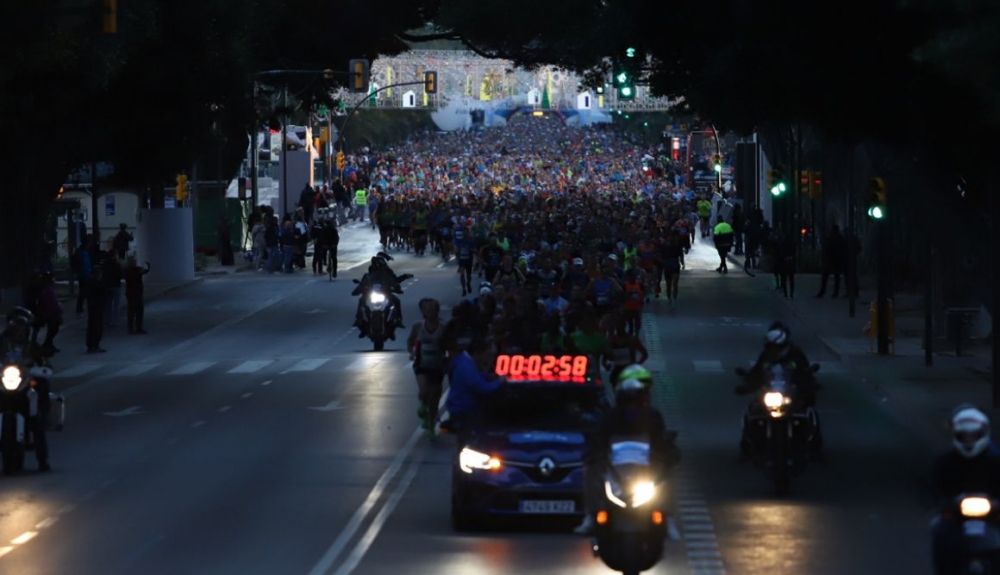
[929, 296]
[283, 195]
[95, 227]
[253, 148]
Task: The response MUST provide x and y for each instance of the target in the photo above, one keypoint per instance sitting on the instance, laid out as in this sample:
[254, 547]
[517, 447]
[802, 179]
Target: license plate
[537, 506]
[974, 528]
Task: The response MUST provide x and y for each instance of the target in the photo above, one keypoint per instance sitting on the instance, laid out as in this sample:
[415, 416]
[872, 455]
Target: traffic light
[430, 82]
[341, 162]
[776, 183]
[181, 192]
[625, 84]
[357, 76]
[805, 181]
[877, 201]
[717, 163]
[630, 52]
[109, 17]
[817, 185]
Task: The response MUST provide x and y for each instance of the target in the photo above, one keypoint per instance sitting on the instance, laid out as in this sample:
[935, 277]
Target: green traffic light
[782, 187]
[777, 189]
[626, 91]
[630, 52]
[876, 212]
[718, 168]
[622, 77]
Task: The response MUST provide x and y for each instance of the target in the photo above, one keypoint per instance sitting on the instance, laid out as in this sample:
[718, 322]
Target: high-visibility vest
[361, 197]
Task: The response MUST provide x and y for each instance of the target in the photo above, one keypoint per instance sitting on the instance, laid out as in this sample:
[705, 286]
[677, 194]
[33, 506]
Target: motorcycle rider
[379, 273]
[632, 416]
[973, 466]
[779, 350]
[38, 407]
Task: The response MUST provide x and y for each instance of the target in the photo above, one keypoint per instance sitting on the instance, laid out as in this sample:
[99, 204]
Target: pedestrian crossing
[345, 363]
[350, 363]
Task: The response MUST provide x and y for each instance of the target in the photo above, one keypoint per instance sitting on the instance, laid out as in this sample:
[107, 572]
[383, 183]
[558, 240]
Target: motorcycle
[379, 313]
[12, 421]
[630, 524]
[974, 514]
[779, 429]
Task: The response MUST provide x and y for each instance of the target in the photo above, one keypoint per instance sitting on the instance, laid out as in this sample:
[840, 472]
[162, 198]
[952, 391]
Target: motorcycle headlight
[975, 507]
[643, 492]
[774, 399]
[613, 491]
[11, 377]
[376, 298]
[470, 459]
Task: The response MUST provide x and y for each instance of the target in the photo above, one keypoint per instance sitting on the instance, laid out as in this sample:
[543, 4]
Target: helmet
[971, 430]
[778, 333]
[20, 314]
[41, 372]
[485, 288]
[578, 261]
[636, 372]
[630, 391]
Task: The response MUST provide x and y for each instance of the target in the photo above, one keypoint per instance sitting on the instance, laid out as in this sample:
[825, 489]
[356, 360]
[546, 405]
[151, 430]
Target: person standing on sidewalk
[83, 264]
[49, 313]
[834, 257]
[784, 264]
[97, 295]
[272, 244]
[133, 296]
[723, 234]
[112, 270]
[121, 241]
[739, 226]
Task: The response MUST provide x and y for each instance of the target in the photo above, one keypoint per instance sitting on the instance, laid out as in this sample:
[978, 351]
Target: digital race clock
[555, 368]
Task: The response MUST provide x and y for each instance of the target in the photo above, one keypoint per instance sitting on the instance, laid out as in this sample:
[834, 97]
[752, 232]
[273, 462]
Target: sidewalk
[921, 397]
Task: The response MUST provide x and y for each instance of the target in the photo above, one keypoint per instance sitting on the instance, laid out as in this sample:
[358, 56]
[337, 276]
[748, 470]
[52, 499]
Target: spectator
[134, 296]
[121, 241]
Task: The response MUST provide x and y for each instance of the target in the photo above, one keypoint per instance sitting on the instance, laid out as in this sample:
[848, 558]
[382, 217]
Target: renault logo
[546, 466]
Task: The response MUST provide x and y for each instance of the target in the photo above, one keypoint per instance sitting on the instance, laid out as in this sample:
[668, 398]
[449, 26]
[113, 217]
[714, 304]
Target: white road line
[707, 366]
[68, 508]
[24, 538]
[46, 523]
[134, 370]
[78, 370]
[247, 395]
[345, 536]
[6, 549]
[266, 383]
[198, 424]
[702, 544]
[699, 536]
[307, 365]
[251, 366]
[192, 368]
[225, 408]
[358, 553]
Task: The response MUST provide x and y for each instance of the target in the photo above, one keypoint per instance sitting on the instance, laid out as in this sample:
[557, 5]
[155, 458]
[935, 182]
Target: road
[253, 432]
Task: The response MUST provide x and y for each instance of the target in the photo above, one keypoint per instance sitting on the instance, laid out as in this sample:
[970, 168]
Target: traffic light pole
[882, 304]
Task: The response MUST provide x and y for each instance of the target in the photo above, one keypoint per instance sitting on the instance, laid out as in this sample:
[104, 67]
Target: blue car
[525, 455]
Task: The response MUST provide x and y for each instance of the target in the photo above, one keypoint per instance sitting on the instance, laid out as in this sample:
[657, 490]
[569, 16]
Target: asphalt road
[252, 432]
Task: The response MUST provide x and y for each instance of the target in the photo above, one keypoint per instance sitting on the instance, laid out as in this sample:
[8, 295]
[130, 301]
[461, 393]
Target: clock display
[555, 368]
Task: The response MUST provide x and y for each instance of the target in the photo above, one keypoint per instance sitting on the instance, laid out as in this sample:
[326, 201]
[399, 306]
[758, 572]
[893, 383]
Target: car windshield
[538, 406]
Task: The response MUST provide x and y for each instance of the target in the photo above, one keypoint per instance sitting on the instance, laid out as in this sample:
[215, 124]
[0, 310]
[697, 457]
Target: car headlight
[975, 507]
[613, 491]
[643, 492]
[774, 399]
[376, 298]
[11, 377]
[470, 459]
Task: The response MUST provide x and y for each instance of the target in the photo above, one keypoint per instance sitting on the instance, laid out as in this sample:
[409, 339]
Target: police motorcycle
[630, 523]
[379, 309]
[13, 424]
[978, 517]
[779, 428]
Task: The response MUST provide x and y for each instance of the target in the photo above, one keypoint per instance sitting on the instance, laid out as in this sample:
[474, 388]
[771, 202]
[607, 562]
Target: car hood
[528, 446]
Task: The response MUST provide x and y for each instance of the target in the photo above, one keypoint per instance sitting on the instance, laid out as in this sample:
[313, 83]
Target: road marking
[702, 544]
[192, 368]
[247, 395]
[24, 538]
[307, 365]
[6, 549]
[266, 383]
[251, 366]
[708, 366]
[198, 424]
[345, 536]
[68, 508]
[135, 369]
[78, 370]
[358, 553]
[131, 410]
[225, 408]
[46, 523]
[332, 406]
